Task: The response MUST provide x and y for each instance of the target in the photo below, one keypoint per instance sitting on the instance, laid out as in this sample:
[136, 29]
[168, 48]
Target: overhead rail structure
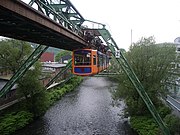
[52, 24]
[53, 27]
[104, 33]
[21, 71]
[65, 69]
[58, 25]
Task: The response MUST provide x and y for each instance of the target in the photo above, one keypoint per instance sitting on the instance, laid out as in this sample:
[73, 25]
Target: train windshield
[82, 57]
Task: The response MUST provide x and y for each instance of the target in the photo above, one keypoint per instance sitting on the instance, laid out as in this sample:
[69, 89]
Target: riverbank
[88, 110]
[17, 117]
[142, 122]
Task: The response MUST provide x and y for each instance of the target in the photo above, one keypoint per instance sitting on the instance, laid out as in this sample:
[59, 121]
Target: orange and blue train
[86, 62]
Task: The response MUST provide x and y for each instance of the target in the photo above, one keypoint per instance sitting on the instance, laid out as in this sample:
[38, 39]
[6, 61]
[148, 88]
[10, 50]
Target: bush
[144, 125]
[163, 111]
[14, 121]
[39, 104]
[56, 94]
[173, 123]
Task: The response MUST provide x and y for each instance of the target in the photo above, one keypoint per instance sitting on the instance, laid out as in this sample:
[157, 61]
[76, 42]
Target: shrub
[144, 125]
[41, 101]
[14, 121]
[56, 94]
[163, 111]
[173, 123]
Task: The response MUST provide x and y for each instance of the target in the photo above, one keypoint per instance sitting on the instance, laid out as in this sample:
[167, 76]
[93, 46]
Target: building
[49, 70]
[65, 59]
[10, 96]
[174, 85]
[47, 57]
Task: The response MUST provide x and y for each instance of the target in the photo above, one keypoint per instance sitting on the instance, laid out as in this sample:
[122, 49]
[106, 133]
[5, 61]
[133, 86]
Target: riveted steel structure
[68, 66]
[52, 24]
[58, 25]
[133, 78]
[21, 71]
[63, 12]
[46, 25]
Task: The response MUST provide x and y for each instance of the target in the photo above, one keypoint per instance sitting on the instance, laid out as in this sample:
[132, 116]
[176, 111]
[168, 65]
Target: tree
[151, 63]
[30, 87]
[61, 54]
[13, 53]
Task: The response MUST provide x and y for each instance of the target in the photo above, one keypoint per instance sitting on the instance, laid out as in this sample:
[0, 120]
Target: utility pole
[131, 36]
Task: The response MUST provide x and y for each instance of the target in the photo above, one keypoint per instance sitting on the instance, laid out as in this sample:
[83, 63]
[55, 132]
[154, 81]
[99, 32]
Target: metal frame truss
[63, 12]
[68, 66]
[24, 67]
[133, 78]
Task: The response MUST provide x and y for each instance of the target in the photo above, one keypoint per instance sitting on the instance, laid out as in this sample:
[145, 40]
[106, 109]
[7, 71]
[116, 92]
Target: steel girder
[25, 66]
[133, 78]
[67, 79]
[63, 13]
[68, 66]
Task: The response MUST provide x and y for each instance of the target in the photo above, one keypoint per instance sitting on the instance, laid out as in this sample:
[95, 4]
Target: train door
[98, 61]
[94, 62]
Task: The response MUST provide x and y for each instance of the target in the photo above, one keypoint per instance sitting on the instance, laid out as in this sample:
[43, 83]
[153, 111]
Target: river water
[88, 110]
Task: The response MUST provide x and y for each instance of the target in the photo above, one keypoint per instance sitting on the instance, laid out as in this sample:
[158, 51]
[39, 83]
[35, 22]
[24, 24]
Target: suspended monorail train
[88, 62]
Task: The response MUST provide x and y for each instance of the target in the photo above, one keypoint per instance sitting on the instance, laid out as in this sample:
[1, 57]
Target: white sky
[158, 18]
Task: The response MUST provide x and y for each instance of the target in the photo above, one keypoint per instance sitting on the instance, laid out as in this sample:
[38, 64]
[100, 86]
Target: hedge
[14, 121]
[18, 119]
[144, 125]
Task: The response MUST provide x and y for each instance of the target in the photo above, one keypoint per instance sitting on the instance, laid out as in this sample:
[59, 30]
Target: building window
[178, 49]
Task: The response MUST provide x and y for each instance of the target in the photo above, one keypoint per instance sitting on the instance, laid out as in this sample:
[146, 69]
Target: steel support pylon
[133, 78]
[25, 66]
[68, 66]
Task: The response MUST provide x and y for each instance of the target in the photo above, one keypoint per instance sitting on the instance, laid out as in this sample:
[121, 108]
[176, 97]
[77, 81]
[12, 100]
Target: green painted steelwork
[67, 79]
[108, 73]
[22, 70]
[133, 78]
[59, 84]
[68, 66]
[63, 12]
[105, 75]
[67, 15]
[57, 7]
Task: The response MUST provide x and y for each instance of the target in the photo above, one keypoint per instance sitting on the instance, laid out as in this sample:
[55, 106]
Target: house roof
[54, 65]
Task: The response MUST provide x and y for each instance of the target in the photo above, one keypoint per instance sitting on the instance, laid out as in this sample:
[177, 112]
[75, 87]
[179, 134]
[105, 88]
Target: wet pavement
[89, 110]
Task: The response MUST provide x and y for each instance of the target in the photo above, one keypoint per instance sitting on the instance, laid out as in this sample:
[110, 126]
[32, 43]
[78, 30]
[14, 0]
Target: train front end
[82, 62]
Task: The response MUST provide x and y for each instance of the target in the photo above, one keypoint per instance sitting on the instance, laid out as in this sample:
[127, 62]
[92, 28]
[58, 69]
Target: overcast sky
[158, 18]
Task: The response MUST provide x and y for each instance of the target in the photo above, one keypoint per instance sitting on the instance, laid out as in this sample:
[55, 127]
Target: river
[88, 110]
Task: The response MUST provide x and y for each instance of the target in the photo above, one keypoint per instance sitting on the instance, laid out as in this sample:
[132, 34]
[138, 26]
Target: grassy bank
[57, 93]
[143, 123]
[146, 125]
[17, 117]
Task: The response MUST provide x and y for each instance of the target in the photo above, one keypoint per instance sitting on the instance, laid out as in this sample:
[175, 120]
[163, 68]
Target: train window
[101, 60]
[82, 57]
[94, 59]
[98, 60]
